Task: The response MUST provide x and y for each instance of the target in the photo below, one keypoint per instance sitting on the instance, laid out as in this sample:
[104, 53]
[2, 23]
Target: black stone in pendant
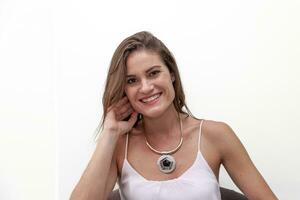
[166, 164]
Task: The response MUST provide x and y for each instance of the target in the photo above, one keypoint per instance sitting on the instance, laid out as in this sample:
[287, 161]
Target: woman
[150, 141]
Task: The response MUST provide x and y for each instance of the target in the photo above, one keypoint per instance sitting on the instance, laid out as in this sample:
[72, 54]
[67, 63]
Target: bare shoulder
[214, 130]
[121, 146]
[217, 130]
[220, 134]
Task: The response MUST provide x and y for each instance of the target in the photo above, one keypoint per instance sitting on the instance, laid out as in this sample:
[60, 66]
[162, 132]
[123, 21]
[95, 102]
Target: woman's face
[148, 84]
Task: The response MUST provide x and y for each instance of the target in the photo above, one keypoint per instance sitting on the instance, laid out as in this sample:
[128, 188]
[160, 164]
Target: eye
[131, 81]
[153, 73]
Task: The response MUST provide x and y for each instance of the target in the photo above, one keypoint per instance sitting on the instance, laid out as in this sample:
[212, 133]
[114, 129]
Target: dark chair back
[226, 194]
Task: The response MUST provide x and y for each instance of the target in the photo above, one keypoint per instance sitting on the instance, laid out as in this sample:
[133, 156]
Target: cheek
[172, 90]
[130, 94]
[127, 89]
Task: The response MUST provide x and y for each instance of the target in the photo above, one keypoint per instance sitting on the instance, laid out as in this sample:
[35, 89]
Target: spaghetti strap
[127, 135]
[200, 133]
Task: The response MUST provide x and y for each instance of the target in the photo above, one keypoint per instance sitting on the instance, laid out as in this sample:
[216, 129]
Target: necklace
[166, 163]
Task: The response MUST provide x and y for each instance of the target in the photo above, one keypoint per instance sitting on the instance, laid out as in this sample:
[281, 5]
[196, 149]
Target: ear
[172, 77]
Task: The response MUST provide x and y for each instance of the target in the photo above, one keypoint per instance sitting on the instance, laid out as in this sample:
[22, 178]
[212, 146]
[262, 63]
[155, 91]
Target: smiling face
[148, 84]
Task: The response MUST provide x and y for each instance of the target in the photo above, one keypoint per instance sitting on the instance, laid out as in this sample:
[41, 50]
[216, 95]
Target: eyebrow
[148, 70]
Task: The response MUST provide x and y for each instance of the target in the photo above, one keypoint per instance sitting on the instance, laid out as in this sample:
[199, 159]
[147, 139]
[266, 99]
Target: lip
[153, 101]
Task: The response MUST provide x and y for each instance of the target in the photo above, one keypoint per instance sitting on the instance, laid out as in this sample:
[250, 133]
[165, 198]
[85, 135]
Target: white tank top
[198, 182]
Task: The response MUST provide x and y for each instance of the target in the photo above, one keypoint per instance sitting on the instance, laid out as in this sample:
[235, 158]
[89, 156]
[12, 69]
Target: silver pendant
[166, 164]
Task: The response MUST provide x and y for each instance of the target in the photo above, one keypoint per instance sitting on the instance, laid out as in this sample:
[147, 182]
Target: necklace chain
[171, 151]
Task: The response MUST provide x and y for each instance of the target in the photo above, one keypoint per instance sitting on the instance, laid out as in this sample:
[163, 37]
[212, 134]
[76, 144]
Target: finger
[112, 106]
[132, 118]
[120, 103]
[125, 114]
[124, 108]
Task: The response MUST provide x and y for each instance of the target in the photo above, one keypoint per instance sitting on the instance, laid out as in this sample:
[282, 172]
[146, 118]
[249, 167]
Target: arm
[240, 167]
[93, 182]
[100, 175]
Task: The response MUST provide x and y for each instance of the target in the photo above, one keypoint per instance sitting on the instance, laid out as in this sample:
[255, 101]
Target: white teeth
[150, 98]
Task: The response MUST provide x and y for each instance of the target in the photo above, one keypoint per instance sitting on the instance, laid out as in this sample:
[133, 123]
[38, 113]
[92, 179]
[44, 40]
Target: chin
[155, 112]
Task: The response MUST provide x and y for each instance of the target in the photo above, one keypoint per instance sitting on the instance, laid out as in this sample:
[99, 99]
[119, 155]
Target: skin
[146, 76]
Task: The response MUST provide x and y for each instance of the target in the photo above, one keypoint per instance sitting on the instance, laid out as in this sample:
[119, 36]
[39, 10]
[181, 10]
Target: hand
[116, 114]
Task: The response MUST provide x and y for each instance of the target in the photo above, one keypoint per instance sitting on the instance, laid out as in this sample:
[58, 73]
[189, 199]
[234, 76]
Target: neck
[162, 127]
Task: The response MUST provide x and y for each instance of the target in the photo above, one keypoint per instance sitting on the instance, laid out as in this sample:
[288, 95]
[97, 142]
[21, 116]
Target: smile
[151, 99]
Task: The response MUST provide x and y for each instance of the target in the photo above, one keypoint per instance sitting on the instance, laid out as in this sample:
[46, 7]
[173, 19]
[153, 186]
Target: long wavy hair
[116, 77]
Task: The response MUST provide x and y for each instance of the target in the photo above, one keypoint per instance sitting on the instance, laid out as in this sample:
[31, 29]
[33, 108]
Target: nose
[146, 86]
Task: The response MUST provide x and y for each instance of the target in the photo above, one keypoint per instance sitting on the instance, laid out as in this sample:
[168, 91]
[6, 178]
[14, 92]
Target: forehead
[143, 60]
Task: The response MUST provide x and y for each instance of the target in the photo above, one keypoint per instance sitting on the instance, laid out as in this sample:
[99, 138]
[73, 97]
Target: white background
[239, 62]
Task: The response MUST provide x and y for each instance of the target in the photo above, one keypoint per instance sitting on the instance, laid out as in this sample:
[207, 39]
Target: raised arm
[240, 167]
[100, 175]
